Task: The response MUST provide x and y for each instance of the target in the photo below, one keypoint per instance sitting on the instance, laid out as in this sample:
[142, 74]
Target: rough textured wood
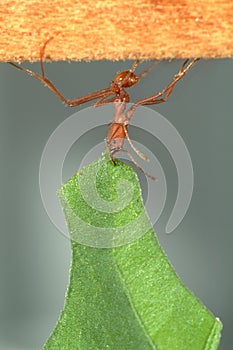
[109, 29]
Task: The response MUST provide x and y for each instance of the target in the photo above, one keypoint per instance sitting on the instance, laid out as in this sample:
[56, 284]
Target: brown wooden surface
[110, 29]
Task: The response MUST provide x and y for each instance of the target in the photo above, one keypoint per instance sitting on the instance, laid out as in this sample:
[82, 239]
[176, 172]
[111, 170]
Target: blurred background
[35, 256]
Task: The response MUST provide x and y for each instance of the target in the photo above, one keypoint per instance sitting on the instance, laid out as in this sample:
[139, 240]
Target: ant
[118, 129]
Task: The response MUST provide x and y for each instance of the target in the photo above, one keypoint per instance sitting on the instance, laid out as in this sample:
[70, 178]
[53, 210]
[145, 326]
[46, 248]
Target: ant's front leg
[166, 92]
[122, 97]
[42, 78]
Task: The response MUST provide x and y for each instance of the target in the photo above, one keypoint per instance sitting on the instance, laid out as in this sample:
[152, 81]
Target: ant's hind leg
[42, 51]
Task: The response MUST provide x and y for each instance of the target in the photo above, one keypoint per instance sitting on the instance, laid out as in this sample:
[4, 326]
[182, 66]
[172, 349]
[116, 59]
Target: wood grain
[106, 29]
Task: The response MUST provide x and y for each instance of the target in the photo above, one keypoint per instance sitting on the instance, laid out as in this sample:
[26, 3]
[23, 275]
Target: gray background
[35, 257]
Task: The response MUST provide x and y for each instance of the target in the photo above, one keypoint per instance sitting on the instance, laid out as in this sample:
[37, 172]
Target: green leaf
[123, 293]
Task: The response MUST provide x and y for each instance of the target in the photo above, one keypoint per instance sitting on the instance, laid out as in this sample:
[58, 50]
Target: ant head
[126, 79]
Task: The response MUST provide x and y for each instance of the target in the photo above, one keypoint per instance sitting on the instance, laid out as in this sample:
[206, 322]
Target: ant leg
[101, 101]
[137, 165]
[42, 50]
[42, 78]
[140, 154]
[80, 100]
[123, 98]
[49, 85]
[166, 92]
[168, 89]
[44, 81]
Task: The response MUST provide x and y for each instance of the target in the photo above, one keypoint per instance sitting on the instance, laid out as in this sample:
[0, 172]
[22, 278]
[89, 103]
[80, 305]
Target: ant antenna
[134, 66]
[145, 72]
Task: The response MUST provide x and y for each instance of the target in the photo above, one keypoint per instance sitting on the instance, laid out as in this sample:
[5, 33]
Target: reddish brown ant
[118, 129]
